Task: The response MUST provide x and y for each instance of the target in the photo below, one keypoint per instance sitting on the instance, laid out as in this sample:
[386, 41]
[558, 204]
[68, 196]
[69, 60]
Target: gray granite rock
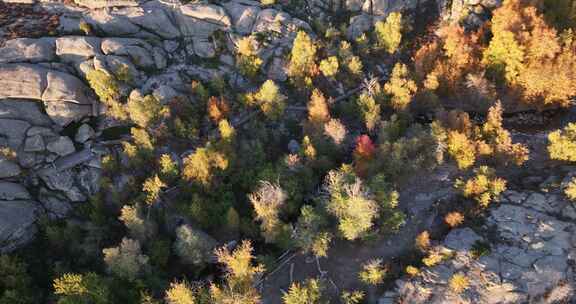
[61, 146]
[28, 50]
[13, 191]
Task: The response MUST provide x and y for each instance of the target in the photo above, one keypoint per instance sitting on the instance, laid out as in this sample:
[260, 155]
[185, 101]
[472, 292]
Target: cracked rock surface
[531, 259]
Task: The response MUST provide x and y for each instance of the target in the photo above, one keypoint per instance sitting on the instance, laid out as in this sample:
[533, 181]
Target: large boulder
[66, 97]
[207, 12]
[94, 4]
[13, 191]
[137, 50]
[28, 50]
[17, 226]
[8, 168]
[243, 16]
[77, 48]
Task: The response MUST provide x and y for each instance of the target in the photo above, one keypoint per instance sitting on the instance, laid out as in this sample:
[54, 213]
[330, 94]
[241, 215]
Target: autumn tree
[203, 164]
[193, 246]
[311, 232]
[350, 202]
[81, 288]
[180, 293]
[336, 131]
[302, 66]
[217, 108]
[369, 110]
[310, 292]
[458, 283]
[318, 112]
[136, 223]
[240, 276]
[247, 60]
[152, 187]
[268, 200]
[400, 87]
[269, 99]
[125, 261]
[454, 219]
[389, 32]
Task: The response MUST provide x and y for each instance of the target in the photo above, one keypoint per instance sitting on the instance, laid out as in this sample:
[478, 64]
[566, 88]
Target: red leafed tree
[363, 153]
[364, 147]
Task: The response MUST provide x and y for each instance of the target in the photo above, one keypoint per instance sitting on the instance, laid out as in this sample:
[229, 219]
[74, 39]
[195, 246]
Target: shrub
[308, 293]
[458, 283]
[125, 261]
[400, 87]
[143, 141]
[461, 149]
[107, 88]
[570, 190]
[373, 272]
[329, 66]
[562, 143]
[412, 271]
[454, 219]
[483, 187]
[389, 33]
[432, 259]
[353, 297]
[146, 110]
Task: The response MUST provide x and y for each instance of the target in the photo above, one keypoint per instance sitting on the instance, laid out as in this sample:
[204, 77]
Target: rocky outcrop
[151, 47]
[524, 254]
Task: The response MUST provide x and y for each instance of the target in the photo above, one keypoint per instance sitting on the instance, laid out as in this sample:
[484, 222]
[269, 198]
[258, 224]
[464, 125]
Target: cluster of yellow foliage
[248, 61]
[458, 283]
[200, 166]
[562, 143]
[483, 187]
[525, 55]
[454, 219]
[373, 272]
[302, 67]
[466, 143]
